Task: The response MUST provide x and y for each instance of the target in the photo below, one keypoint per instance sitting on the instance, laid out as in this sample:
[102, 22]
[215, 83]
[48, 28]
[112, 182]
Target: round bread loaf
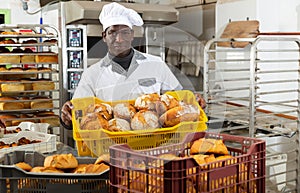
[146, 102]
[165, 103]
[24, 166]
[61, 161]
[117, 124]
[124, 111]
[93, 121]
[102, 109]
[144, 120]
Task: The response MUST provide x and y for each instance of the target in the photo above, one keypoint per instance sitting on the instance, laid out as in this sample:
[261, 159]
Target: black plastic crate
[15, 180]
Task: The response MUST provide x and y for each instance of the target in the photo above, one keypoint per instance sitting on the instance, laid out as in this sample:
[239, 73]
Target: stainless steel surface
[255, 91]
[87, 12]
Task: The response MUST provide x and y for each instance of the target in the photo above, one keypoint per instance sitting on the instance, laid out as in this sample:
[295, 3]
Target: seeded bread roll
[144, 120]
[61, 161]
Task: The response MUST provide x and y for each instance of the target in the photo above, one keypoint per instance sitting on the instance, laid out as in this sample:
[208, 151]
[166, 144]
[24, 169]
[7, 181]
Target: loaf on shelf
[43, 84]
[41, 102]
[12, 86]
[10, 103]
[46, 58]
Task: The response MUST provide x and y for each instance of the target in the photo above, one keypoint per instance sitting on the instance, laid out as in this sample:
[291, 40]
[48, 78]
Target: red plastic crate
[146, 170]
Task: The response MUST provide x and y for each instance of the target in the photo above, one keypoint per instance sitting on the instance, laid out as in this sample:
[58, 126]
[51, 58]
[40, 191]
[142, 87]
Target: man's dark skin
[118, 39]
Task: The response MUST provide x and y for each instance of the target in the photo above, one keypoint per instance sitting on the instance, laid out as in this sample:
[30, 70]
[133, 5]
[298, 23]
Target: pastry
[146, 102]
[103, 109]
[104, 158]
[8, 41]
[124, 111]
[117, 124]
[61, 161]
[176, 115]
[93, 121]
[144, 119]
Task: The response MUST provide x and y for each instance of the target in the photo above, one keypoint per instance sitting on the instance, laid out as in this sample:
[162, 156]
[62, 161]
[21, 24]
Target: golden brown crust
[46, 59]
[10, 33]
[10, 103]
[144, 120]
[91, 168]
[102, 159]
[124, 111]
[214, 146]
[61, 161]
[43, 85]
[24, 166]
[93, 121]
[40, 169]
[179, 114]
[103, 109]
[9, 41]
[146, 101]
[117, 124]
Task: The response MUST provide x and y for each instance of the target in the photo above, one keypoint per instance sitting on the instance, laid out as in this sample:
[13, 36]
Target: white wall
[18, 15]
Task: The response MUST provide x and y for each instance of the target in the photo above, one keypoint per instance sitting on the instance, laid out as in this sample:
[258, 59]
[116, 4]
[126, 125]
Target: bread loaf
[24, 166]
[41, 102]
[10, 103]
[179, 114]
[91, 168]
[43, 85]
[117, 124]
[7, 119]
[12, 86]
[124, 111]
[93, 121]
[212, 146]
[27, 58]
[46, 59]
[146, 102]
[165, 103]
[48, 117]
[61, 161]
[103, 109]
[144, 120]
[41, 169]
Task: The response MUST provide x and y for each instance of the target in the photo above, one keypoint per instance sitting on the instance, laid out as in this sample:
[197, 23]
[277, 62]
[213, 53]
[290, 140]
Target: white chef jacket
[108, 81]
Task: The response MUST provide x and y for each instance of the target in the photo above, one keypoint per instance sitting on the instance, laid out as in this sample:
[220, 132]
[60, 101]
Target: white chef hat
[116, 14]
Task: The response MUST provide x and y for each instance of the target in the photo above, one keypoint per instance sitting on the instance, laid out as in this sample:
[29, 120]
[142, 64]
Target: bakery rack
[30, 74]
[254, 90]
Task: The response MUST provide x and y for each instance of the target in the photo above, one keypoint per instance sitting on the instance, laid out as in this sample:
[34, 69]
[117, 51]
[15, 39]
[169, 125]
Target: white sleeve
[85, 86]
[170, 82]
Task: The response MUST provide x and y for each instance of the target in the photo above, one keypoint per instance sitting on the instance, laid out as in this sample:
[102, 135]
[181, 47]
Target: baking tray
[14, 179]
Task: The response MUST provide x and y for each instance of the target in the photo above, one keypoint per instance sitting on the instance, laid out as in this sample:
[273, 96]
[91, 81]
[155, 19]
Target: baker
[124, 73]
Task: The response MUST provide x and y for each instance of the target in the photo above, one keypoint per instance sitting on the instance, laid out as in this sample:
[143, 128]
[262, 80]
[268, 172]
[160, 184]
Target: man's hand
[66, 115]
[200, 100]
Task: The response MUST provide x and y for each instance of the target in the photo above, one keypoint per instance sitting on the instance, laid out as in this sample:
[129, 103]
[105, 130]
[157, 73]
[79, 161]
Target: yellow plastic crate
[97, 142]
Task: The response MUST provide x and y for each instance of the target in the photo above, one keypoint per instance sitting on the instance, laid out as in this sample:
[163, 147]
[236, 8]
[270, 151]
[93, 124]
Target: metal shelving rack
[255, 91]
[42, 34]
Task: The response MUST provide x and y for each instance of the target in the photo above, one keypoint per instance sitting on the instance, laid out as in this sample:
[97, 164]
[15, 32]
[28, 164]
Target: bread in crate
[149, 111]
[240, 167]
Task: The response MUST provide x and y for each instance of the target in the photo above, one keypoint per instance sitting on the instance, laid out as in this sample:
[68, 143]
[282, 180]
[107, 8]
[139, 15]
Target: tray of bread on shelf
[28, 140]
[33, 163]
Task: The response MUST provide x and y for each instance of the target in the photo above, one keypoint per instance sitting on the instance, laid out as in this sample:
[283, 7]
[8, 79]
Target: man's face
[118, 39]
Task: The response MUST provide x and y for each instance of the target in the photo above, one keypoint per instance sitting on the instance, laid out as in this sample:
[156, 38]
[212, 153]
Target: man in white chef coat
[124, 73]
